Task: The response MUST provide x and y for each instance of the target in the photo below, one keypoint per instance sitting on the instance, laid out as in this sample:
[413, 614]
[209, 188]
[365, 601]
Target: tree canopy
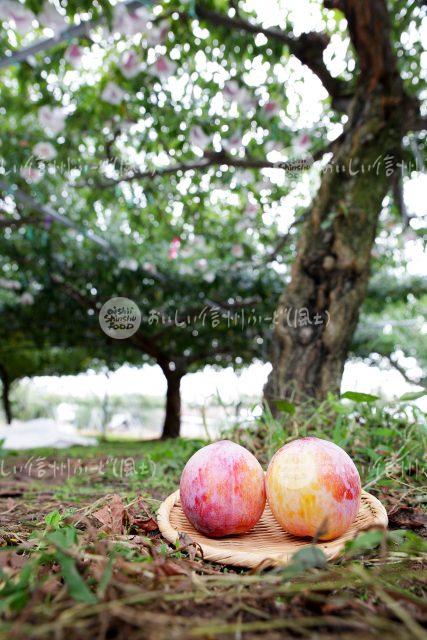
[165, 151]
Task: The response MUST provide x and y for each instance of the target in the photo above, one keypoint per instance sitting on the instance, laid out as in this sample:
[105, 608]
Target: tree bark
[6, 383]
[172, 422]
[318, 311]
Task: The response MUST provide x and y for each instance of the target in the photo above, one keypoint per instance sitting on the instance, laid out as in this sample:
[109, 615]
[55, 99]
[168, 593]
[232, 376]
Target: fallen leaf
[186, 543]
[406, 517]
[10, 506]
[145, 525]
[51, 586]
[335, 605]
[11, 493]
[12, 559]
[166, 567]
[112, 515]
[146, 522]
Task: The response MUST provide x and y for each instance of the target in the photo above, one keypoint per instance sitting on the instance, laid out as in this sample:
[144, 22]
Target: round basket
[267, 543]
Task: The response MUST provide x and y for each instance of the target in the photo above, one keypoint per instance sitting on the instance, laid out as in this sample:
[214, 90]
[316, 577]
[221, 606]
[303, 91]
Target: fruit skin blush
[313, 488]
[222, 489]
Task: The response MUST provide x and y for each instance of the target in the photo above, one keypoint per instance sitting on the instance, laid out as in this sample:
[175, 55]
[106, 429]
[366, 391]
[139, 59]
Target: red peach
[313, 488]
[222, 489]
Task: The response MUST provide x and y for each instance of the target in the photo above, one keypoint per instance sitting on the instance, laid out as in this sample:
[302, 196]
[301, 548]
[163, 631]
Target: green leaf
[384, 432]
[53, 519]
[359, 397]
[412, 395]
[364, 542]
[63, 539]
[326, 223]
[15, 602]
[310, 557]
[77, 587]
[285, 406]
[14, 595]
[192, 8]
[105, 578]
[386, 482]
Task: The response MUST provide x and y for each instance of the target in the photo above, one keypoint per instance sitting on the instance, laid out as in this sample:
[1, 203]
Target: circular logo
[120, 318]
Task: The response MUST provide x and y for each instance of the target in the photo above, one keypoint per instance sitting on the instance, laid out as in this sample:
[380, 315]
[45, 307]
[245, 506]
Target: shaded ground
[81, 556]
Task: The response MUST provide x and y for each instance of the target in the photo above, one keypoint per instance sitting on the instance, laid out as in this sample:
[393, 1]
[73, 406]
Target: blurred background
[140, 161]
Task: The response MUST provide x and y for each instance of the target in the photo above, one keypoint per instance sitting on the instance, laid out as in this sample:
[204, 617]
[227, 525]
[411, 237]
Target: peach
[222, 489]
[313, 488]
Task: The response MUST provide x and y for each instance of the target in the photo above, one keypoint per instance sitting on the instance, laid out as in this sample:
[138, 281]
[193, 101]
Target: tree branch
[75, 31]
[403, 372]
[417, 123]
[48, 212]
[6, 222]
[369, 26]
[308, 48]
[334, 4]
[398, 197]
[284, 240]
[201, 356]
[211, 159]
[138, 339]
[420, 124]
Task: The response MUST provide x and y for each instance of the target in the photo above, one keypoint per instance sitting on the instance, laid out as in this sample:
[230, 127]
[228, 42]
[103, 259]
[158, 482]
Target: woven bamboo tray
[267, 542]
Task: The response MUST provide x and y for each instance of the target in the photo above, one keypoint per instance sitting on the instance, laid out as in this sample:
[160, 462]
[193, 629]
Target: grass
[65, 573]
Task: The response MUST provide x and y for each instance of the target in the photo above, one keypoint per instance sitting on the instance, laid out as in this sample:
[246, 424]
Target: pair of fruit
[312, 485]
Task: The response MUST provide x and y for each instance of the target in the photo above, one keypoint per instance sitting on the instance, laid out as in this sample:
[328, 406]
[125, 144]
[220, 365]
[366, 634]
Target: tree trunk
[6, 383]
[172, 423]
[318, 312]
[331, 269]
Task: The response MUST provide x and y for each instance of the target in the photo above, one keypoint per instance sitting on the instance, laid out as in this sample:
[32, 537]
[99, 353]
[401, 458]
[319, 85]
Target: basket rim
[217, 550]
